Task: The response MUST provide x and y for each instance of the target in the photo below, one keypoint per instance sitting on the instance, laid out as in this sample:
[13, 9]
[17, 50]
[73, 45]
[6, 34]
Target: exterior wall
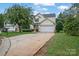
[11, 28]
[52, 19]
[48, 25]
[47, 22]
[31, 27]
[40, 17]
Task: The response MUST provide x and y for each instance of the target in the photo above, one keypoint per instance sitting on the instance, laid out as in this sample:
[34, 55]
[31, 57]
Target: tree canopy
[70, 20]
[19, 15]
[1, 21]
[59, 23]
[71, 25]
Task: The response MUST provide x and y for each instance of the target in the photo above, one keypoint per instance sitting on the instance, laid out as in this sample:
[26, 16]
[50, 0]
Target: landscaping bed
[61, 45]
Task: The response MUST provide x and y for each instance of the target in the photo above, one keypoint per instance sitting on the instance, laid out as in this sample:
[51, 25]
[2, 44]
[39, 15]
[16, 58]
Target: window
[36, 20]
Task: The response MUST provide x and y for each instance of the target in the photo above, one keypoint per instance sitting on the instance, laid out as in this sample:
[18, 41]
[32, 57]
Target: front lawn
[9, 34]
[62, 44]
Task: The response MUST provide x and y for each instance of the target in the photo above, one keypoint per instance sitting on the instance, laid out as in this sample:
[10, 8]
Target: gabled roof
[37, 14]
[46, 15]
[45, 20]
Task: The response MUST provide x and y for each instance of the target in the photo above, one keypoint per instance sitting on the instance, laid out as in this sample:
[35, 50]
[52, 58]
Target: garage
[45, 22]
[46, 28]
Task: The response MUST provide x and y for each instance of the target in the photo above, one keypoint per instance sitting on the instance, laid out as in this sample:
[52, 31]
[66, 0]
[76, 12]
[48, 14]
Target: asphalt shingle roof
[49, 15]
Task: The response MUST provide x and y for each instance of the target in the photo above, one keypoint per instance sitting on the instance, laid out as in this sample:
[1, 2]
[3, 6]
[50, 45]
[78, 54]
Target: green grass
[63, 45]
[9, 34]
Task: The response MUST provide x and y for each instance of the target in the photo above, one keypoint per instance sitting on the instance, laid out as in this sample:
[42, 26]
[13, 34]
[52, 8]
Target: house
[10, 27]
[44, 22]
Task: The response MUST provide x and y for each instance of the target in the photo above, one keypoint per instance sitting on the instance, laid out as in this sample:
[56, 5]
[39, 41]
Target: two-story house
[44, 22]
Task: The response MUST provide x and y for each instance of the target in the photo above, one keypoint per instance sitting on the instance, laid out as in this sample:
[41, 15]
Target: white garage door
[46, 28]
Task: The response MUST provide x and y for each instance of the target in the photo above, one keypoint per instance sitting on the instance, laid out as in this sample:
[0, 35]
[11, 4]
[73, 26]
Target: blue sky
[40, 7]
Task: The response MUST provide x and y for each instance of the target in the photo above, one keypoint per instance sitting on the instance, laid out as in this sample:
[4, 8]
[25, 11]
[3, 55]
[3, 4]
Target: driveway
[27, 44]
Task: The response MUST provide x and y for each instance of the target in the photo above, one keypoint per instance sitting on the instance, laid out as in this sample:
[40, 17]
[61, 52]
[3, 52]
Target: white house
[44, 22]
[10, 27]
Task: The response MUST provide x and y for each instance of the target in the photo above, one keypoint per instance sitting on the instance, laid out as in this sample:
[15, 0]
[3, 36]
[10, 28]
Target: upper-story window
[37, 20]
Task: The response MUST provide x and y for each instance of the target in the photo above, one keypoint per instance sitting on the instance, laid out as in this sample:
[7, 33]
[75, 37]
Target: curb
[42, 46]
[5, 46]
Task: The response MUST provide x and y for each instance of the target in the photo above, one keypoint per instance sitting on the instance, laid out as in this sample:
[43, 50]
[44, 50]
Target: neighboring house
[44, 22]
[11, 27]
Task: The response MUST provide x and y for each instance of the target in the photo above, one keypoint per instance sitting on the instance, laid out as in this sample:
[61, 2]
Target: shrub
[27, 30]
[71, 25]
[59, 26]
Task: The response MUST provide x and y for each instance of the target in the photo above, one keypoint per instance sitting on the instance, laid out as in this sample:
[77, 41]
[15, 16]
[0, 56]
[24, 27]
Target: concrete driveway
[28, 44]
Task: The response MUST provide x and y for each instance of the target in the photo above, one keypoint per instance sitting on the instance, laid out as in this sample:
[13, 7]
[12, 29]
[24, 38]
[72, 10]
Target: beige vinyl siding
[47, 22]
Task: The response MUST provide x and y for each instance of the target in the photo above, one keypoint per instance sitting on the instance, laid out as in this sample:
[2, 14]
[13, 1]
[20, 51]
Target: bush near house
[59, 26]
[27, 30]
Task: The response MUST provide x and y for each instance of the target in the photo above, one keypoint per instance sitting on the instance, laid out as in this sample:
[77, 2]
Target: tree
[19, 15]
[59, 23]
[59, 26]
[1, 21]
[71, 25]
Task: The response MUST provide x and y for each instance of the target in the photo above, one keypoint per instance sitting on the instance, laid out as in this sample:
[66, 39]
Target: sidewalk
[4, 46]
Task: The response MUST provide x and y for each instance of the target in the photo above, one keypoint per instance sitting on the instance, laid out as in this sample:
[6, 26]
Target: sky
[43, 8]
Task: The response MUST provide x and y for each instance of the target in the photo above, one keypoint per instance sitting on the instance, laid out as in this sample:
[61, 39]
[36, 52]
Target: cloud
[57, 14]
[46, 12]
[35, 12]
[41, 9]
[63, 7]
[44, 9]
[42, 12]
[44, 4]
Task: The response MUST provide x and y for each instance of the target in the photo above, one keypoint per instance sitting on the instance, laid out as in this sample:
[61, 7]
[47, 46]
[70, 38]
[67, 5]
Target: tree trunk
[0, 32]
[20, 29]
